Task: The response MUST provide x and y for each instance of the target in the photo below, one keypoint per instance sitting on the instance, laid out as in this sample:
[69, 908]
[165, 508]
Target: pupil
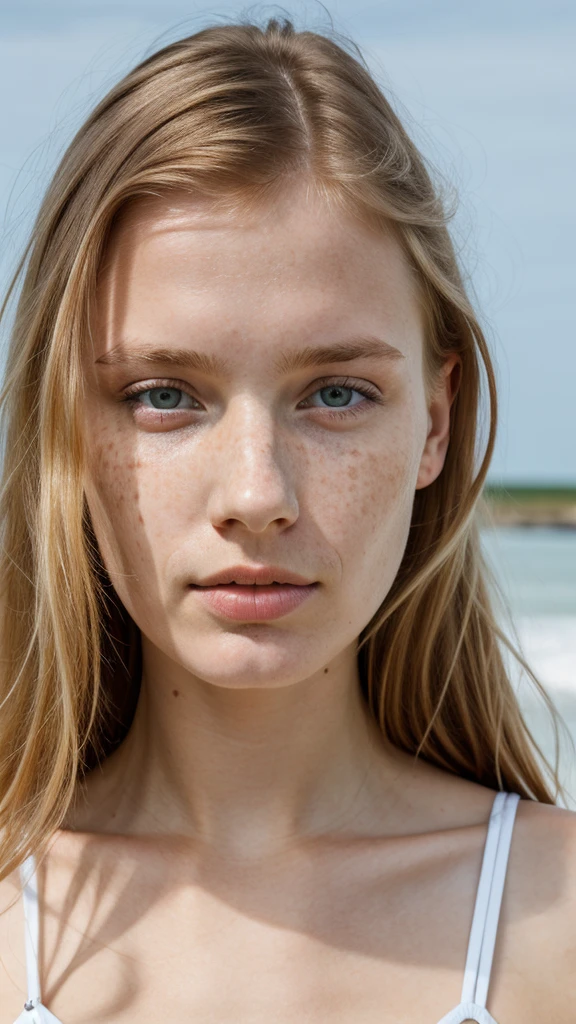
[165, 398]
[336, 395]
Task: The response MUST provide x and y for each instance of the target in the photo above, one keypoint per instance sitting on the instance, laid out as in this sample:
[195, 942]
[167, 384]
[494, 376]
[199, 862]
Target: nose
[252, 481]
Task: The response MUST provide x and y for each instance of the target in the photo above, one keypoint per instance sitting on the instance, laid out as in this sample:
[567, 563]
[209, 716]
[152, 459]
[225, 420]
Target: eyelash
[368, 391]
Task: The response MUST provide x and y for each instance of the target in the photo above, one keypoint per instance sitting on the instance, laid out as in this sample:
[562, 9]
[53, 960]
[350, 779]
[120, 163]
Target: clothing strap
[31, 929]
[489, 899]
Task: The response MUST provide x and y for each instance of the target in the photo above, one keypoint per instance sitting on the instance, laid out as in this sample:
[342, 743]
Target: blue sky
[488, 91]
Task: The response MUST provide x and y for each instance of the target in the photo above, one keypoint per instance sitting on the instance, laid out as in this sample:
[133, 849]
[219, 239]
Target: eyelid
[157, 382]
[321, 382]
[342, 381]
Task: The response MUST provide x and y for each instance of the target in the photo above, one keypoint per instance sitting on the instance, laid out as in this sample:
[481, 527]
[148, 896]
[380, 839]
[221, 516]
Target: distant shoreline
[531, 506]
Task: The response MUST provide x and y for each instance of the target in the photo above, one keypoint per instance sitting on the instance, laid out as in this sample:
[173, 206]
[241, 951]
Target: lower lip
[254, 603]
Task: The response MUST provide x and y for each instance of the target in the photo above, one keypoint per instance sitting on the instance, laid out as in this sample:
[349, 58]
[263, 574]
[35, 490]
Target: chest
[355, 942]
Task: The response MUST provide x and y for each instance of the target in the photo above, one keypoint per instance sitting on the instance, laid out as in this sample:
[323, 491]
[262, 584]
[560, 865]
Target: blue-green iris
[336, 395]
[165, 398]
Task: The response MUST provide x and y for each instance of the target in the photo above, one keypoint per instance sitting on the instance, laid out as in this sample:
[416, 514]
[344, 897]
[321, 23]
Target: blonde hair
[233, 113]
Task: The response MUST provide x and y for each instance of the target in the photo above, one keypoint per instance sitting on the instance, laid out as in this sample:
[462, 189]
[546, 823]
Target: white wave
[549, 646]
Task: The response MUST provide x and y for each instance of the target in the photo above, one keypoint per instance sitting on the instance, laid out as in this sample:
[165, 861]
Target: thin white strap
[31, 928]
[508, 816]
[489, 899]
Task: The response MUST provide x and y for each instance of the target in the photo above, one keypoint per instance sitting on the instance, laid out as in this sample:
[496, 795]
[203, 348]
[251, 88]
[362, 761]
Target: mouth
[254, 602]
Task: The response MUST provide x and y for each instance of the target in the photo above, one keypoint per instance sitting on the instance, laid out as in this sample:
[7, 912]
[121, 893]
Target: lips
[254, 593]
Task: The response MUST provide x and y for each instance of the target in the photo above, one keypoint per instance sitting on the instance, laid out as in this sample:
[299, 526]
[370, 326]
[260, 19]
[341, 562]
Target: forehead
[292, 267]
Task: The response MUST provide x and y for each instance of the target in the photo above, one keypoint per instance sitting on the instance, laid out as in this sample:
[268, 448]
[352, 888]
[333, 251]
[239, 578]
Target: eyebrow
[120, 355]
[343, 352]
[368, 347]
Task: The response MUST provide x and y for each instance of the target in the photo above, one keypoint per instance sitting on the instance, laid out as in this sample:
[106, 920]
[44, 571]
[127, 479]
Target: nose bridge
[252, 478]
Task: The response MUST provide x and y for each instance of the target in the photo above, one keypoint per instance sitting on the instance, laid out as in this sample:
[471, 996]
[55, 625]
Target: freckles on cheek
[115, 475]
[376, 524]
[367, 490]
[113, 497]
[143, 500]
[385, 482]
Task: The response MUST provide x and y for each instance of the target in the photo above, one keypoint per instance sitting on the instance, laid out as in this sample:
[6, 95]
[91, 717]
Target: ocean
[536, 570]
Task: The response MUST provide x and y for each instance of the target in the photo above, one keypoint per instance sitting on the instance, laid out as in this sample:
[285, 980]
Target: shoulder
[539, 909]
[543, 852]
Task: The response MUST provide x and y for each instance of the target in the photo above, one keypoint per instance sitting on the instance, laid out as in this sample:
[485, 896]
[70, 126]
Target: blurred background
[488, 93]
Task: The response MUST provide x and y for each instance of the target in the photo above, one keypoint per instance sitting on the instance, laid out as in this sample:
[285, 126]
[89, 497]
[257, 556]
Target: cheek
[382, 534]
[114, 485]
[143, 500]
[367, 519]
[367, 499]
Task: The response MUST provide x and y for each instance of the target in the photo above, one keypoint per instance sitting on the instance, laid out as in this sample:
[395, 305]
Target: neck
[250, 771]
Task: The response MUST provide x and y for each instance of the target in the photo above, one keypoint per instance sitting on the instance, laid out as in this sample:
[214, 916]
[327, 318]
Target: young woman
[261, 759]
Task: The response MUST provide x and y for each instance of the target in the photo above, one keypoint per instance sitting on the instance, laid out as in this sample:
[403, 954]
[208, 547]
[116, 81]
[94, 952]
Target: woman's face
[256, 398]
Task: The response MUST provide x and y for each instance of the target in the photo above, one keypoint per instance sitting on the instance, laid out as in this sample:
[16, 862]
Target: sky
[488, 92]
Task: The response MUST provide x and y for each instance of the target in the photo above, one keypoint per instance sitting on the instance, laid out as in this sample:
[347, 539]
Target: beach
[536, 569]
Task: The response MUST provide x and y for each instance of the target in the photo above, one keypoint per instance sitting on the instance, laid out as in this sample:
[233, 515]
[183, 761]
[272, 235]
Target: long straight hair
[234, 114]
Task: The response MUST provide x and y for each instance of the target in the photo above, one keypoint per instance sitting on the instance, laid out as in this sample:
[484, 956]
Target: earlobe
[438, 437]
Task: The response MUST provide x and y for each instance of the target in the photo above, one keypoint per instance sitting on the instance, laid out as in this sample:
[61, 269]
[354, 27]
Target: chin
[252, 656]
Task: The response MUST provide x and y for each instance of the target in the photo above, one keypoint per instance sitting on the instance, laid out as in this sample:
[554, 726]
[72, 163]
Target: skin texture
[254, 852]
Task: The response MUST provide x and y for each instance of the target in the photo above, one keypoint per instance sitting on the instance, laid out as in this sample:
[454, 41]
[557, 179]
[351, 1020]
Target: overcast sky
[488, 91]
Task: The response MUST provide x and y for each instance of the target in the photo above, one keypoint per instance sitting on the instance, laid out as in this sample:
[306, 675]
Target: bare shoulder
[540, 906]
[12, 954]
[544, 850]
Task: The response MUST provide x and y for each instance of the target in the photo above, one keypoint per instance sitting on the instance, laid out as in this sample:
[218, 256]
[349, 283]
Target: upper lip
[250, 574]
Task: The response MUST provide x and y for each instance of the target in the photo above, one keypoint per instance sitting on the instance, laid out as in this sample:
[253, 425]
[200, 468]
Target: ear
[434, 453]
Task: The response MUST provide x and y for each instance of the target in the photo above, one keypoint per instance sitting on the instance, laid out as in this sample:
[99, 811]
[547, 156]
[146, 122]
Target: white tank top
[472, 1006]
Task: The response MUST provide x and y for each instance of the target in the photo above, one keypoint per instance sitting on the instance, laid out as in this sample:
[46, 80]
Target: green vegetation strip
[530, 495]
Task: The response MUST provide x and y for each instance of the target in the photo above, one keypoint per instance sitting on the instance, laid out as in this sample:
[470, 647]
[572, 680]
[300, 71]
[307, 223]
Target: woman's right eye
[163, 398]
[166, 398]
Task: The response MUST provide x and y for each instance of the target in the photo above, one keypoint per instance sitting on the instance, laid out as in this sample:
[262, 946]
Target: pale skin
[254, 852]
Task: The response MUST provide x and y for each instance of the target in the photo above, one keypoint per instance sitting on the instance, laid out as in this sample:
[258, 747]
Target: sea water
[536, 571]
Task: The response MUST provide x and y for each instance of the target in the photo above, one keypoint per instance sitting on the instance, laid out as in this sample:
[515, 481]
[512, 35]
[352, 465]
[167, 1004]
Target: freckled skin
[251, 478]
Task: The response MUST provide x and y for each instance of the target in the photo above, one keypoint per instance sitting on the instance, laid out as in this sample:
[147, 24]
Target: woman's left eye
[340, 396]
